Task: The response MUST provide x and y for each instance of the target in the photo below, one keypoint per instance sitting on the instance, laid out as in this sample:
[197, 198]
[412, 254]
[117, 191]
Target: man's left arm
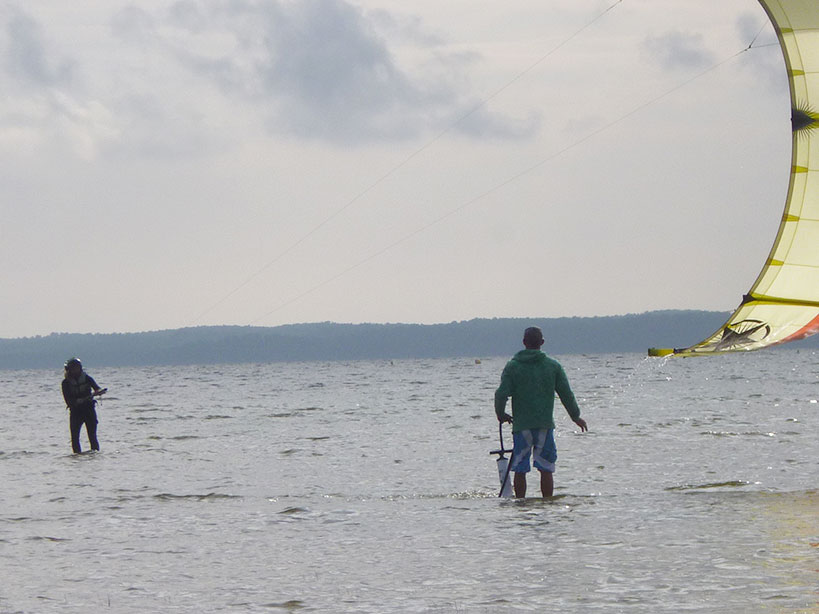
[564, 391]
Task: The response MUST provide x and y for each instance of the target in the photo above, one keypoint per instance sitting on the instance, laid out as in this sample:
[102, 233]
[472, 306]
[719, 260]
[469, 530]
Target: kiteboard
[503, 466]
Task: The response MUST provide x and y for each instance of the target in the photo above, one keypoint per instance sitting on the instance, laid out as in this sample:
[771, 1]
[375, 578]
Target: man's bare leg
[520, 485]
[547, 483]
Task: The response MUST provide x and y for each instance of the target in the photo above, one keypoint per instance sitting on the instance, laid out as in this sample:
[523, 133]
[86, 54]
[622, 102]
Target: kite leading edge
[783, 303]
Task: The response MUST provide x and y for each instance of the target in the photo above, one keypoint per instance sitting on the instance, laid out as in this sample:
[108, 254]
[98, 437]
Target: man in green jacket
[531, 378]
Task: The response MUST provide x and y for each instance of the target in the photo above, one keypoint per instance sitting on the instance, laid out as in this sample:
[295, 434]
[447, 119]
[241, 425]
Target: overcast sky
[168, 164]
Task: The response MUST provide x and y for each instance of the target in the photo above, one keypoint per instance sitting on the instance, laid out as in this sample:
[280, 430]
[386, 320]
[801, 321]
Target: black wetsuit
[77, 395]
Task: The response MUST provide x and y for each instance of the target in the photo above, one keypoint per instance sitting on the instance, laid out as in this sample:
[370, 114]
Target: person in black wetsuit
[79, 390]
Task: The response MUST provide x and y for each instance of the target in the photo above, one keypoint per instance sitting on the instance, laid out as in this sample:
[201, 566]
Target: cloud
[198, 76]
[331, 76]
[319, 69]
[26, 58]
[410, 28]
[678, 50]
[132, 22]
[482, 123]
[159, 129]
[42, 105]
[749, 26]
[767, 62]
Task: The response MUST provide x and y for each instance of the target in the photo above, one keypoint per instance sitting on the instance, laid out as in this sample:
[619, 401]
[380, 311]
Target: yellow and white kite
[783, 303]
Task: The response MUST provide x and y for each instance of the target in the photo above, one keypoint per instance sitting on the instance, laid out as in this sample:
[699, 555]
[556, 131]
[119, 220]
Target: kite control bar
[95, 396]
[502, 450]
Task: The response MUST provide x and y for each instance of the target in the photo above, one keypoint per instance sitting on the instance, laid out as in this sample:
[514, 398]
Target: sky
[167, 164]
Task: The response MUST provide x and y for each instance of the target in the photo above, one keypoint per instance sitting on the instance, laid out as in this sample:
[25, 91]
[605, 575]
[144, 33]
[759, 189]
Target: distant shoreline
[331, 341]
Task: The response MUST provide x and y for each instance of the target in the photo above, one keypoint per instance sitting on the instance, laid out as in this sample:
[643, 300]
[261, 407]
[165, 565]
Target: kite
[783, 303]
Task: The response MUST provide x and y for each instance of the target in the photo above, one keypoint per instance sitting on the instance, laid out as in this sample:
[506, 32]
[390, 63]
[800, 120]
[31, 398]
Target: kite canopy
[783, 303]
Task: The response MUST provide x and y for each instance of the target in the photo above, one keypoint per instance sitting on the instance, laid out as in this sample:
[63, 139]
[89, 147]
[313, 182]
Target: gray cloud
[331, 75]
[181, 133]
[44, 105]
[26, 57]
[133, 23]
[404, 27]
[675, 50]
[482, 123]
[320, 69]
[767, 62]
[748, 26]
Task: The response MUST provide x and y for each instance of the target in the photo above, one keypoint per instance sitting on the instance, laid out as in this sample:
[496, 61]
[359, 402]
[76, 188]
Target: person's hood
[529, 356]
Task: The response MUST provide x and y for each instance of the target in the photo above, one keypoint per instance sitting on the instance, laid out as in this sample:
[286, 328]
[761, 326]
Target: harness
[78, 388]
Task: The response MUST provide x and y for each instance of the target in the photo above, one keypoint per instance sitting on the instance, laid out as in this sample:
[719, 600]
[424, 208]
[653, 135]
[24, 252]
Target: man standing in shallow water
[531, 378]
[79, 392]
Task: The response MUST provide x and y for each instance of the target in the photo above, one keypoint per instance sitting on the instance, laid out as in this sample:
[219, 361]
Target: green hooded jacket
[531, 378]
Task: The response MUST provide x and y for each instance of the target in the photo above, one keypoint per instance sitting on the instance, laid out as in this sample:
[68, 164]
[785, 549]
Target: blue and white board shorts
[541, 443]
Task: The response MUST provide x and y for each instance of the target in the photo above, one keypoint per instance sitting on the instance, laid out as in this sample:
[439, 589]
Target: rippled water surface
[368, 487]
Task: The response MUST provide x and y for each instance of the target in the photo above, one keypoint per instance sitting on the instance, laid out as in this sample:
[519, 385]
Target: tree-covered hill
[331, 341]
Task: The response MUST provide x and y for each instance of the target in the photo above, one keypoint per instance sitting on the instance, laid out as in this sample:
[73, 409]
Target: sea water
[368, 487]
